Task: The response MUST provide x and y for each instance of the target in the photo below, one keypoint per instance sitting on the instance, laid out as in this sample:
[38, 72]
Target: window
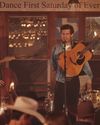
[92, 29]
[28, 42]
[28, 36]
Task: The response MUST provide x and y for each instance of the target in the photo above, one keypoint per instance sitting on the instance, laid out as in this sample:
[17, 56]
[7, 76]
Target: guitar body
[74, 62]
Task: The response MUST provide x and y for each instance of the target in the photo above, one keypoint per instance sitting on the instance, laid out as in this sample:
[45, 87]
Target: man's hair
[57, 118]
[67, 26]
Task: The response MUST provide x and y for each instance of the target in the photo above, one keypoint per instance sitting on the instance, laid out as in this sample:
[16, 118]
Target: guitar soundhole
[81, 58]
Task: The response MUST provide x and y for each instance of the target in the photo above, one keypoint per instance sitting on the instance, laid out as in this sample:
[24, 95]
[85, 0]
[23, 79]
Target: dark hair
[67, 26]
[57, 118]
[16, 114]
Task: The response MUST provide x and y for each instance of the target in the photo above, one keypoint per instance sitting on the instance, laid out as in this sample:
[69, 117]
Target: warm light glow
[95, 33]
[1, 110]
[27, 30]
[12, 86]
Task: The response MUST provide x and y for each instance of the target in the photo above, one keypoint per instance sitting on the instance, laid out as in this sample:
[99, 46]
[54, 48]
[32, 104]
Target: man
[25, 112]
[67, 87]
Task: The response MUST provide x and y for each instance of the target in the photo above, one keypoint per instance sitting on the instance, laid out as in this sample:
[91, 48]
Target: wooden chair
[85, 113]
[97, 117]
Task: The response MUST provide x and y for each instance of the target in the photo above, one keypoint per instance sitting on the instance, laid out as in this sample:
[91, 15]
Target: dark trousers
[67, 95]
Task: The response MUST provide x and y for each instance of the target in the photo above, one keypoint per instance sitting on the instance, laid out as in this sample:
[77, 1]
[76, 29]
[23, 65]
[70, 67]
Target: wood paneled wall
[3, 34]
[52, 17]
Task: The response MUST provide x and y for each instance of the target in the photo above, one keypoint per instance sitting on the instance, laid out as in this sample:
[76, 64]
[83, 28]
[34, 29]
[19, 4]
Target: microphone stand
[65, 84]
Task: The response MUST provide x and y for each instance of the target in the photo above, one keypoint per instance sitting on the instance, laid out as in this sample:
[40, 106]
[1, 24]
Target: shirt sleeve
[53, 59]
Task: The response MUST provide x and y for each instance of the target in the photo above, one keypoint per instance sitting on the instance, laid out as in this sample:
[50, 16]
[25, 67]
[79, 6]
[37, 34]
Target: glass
[28, 36]
[28, 42]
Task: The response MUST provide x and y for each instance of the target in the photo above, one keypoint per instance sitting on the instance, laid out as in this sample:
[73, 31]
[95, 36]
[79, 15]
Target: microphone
[64, 44]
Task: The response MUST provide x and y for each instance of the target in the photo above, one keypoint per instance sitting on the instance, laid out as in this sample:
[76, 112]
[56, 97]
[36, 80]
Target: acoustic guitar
[76, 58]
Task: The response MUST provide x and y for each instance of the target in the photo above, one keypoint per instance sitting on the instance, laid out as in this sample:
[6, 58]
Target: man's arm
[88, 71]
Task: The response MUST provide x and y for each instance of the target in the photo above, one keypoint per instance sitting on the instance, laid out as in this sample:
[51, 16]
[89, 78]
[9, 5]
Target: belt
[68, 78]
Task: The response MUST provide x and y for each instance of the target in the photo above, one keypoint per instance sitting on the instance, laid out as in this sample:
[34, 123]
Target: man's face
[23, 120]
[66, 35]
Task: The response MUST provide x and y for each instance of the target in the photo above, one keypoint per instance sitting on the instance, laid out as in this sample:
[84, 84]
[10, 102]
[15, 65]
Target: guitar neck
[92, 45]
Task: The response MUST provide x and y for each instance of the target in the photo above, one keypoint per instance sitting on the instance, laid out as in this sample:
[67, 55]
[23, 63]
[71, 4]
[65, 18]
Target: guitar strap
[74, 43]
